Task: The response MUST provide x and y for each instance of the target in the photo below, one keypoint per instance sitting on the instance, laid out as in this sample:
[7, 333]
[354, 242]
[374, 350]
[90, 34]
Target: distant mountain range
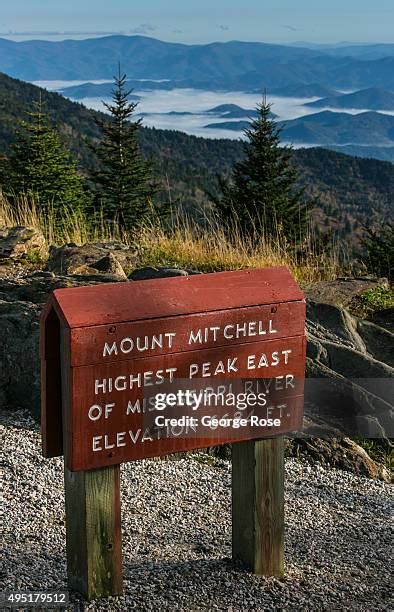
[331, 128]
[361, 51]
[232, 111]
[303, 90]
[363, 130]
[103, 90]
[229, 66]
[371, 98]
[223, 111]
[93, 90]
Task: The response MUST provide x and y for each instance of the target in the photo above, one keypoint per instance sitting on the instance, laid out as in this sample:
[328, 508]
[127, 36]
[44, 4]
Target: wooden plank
[93, 532]
[269, 510]
[258, 505]
[51, 399]
[92, 501]
[164, 297]
[135, 339]
[243, 502]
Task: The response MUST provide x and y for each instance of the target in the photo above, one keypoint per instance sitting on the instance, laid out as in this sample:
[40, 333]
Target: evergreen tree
[261, 196]
[124, 179]
[378, 246]
[39, 166]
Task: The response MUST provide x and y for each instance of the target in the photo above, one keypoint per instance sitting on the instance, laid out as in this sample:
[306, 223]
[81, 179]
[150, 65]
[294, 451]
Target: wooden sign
[122, 344]
[141, 369]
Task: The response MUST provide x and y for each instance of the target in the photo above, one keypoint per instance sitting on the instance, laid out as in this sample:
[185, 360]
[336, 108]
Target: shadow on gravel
[192, 579]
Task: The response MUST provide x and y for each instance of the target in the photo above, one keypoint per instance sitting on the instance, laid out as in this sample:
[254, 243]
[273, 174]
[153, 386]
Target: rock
[42, 274]
[379, 342]
[21, 300]
[92, 277]
[330, 322]
[384, 318]
[73, 259]
[342, 291]
[160, 272]
[110, 264]
[19, 358]
[350, 382]
[83, 270]
[343, 453]
[68, 258]
[21, 242]
[127, 257]
[37, 286]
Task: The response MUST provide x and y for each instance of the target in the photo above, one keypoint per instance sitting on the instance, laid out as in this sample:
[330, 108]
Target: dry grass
[209, 250]
[75, 226]
[184, 245]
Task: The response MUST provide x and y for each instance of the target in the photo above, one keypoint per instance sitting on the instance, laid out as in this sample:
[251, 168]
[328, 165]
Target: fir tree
[261, 196]
[39, 166]
[124, 179]
[378, 247]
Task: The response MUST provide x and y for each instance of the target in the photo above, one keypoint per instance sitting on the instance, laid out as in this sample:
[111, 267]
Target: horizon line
[107, 34]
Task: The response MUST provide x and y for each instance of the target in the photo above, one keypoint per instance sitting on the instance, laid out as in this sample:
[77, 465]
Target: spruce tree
[261, 195]
[123, 179]
[39, 166]
[378, 246]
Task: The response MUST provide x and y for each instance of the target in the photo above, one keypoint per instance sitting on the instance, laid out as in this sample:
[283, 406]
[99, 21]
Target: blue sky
[200, 21]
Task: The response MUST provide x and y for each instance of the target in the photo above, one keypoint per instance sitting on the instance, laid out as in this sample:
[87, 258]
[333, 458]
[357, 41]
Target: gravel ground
[177, 535]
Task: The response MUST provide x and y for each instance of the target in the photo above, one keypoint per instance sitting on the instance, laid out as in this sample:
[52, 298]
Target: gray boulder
[110, 265]
[159, 272]
[341, 453]
[21, 242]
[96, 258]
[19, 358]
[384, 318]
[350, 385]
[342, 291]
[21, 301]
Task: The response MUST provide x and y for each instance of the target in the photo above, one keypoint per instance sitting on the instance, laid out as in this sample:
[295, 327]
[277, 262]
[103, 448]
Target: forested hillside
[349, 191]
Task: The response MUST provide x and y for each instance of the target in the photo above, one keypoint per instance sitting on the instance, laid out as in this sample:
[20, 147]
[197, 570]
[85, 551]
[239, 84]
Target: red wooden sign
[230, 343]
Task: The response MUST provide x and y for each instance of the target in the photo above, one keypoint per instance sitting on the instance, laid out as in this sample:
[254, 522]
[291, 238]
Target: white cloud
[197, 101]
[143, 28]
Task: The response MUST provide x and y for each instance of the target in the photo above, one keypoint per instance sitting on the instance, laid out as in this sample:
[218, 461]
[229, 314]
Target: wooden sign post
[143, 369]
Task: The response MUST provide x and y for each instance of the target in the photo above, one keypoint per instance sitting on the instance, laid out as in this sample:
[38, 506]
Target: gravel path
[177, 535]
